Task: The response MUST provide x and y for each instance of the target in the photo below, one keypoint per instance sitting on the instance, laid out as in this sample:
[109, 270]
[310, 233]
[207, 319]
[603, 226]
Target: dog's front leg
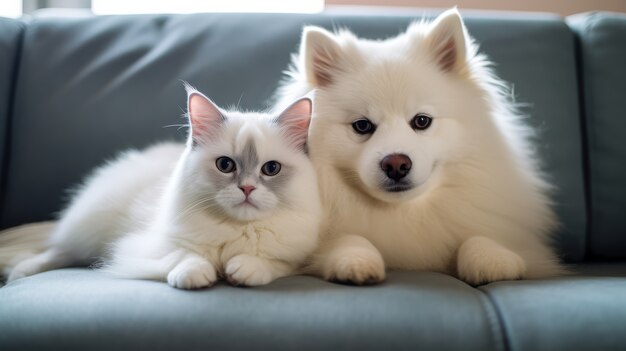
[482, 260]
[349, 259]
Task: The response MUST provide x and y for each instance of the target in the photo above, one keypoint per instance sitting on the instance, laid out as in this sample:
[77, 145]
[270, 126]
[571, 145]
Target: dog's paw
[482, 260]
[351, 259]
[192, 274]
[356, 269]
[357, 266]
[249, 271]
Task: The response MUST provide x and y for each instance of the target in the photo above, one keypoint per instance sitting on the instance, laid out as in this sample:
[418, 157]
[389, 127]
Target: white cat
[422, 161]
[240, 199]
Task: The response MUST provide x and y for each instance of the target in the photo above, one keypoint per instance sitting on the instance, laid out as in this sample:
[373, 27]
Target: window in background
[114, 7]
[10, 8]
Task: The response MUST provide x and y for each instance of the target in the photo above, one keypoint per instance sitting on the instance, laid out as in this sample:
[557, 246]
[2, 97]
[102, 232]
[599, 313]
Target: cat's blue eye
[225, 164]
[271, 168]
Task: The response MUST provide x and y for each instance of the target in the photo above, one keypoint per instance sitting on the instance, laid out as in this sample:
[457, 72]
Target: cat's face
[245, 166]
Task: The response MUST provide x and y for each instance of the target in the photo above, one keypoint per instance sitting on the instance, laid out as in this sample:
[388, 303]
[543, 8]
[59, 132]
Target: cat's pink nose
[247, 189]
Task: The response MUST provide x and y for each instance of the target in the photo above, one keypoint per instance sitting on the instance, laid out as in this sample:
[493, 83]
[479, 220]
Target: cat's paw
[249, 271]
[192, 274]
[482, 260]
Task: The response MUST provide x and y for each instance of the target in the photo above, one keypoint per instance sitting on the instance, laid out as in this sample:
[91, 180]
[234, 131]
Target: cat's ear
[204, 115]
[447, 40]
[295, 121]
[321, 54]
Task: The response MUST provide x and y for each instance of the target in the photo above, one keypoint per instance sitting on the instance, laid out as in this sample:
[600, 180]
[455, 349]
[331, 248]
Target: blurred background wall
[15, 8]
[562, 7]
[32, 5]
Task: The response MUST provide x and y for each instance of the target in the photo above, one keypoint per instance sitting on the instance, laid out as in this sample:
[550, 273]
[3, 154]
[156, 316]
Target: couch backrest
[89, 87]
[10, 39]
[602, 39]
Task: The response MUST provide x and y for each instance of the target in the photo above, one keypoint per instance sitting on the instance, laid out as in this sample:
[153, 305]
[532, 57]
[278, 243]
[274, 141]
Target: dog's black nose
[396, 166]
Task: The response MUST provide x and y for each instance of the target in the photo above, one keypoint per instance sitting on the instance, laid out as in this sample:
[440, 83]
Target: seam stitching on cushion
[9, 124]
[586, 152]
[496, 323]
[586, 139]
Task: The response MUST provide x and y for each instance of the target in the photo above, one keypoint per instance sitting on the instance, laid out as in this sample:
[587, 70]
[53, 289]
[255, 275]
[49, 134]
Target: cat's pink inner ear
[296, 120]
[204, 115]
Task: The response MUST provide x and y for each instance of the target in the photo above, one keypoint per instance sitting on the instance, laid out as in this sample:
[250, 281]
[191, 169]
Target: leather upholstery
[425, 311]
[583, 312]
[602, 42]
[10, 41]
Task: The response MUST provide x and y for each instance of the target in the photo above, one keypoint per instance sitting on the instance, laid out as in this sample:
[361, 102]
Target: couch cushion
[10, 40]
[583, 312]
[602, 54]
[111, 82]
[78, 309]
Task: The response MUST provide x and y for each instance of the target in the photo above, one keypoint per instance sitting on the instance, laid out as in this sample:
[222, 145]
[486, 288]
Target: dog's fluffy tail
[22, 242]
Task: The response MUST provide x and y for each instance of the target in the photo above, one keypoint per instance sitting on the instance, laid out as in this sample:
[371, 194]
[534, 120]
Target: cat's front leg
[482, 260]
[251, 270]
[349, 259]
[192, 272]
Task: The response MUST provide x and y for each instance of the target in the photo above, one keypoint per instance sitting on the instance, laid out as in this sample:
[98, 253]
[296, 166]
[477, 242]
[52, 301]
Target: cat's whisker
[239, 101]
[203, 201]
[192, 208]
[176, 125]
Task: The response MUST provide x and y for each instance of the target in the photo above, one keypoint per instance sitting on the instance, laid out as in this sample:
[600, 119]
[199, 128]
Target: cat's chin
[246, 212]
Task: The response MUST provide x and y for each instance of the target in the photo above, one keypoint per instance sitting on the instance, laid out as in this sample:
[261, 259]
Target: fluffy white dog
[422, 160]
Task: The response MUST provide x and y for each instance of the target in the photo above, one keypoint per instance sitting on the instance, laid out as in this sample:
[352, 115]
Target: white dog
[423, 163]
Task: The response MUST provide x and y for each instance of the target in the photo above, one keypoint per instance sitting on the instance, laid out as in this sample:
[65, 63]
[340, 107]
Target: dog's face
[392, 111]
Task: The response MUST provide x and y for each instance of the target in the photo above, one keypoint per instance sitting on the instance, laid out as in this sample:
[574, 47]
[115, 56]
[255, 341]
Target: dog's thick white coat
[155, 214]
[479, 207]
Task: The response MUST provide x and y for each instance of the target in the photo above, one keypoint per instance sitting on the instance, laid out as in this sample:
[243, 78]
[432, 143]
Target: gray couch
[74, 91]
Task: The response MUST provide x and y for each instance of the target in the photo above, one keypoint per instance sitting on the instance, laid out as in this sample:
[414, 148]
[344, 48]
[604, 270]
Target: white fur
[146, 215]
[479, 208]
[22, 242]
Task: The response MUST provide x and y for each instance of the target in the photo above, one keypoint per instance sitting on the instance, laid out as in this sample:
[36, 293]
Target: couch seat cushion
[582, 312]
[83, 309]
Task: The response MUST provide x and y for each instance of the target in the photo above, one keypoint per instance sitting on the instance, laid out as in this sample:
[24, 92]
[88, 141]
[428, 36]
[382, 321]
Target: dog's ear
[321, 54]
[447, 41]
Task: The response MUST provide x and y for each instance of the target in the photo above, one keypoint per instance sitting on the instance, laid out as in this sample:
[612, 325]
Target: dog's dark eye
[225, 164]
[421, 121]
[271, 168]
[363, 126]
